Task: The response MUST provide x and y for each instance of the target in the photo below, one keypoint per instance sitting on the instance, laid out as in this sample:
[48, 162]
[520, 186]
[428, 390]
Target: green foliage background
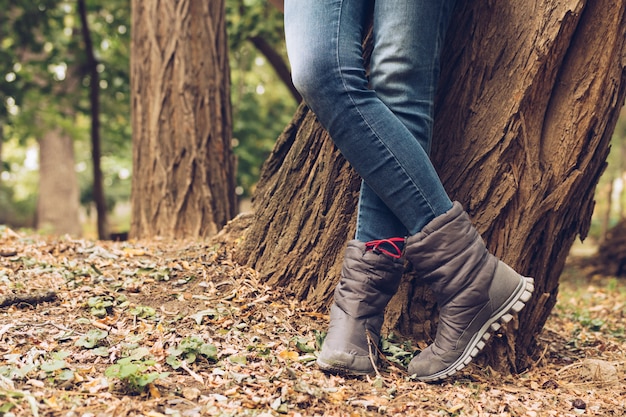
[40, 44]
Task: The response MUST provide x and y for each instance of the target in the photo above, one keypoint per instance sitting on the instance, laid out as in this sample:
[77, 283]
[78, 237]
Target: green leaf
[139, 353]
[188, 349]
[175, 351]
[319, 339]
[53, 365]
[91, 338]
[128, 369]
[101, 351]
[145, 379]
[6, 407]
[209, 351]
[66, 375]
[190, 357]
[173, 361]
[304, 345]
[99, 306]
[61, 354]
[241, 360]
[112, 371]
[400, 354]
[143, 311]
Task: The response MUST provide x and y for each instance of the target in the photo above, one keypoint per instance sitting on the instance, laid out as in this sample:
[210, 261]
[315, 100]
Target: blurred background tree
[611, 191]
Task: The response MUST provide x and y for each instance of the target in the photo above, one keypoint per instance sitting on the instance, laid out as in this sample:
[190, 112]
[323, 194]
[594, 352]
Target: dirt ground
[165, 328]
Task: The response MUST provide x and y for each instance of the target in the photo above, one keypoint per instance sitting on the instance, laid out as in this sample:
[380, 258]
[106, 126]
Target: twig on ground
[192, 373]
[31, 299]
[370, 343]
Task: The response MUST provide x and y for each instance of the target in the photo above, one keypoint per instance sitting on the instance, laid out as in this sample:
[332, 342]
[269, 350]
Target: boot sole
[342, 369]
[516, 302]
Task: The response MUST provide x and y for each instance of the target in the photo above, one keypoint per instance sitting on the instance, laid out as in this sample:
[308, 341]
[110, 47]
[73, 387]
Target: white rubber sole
[516, 302]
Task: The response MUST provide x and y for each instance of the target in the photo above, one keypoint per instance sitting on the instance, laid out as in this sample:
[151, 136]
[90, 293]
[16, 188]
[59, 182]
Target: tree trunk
[94, 100]
[621, 138]
[529, 96]
[58, 200]
[611, 257]
[277, 62]
[607, 190]
[1, 142]
[183, 181]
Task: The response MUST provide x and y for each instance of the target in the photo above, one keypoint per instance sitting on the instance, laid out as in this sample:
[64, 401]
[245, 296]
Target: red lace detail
[376, 245]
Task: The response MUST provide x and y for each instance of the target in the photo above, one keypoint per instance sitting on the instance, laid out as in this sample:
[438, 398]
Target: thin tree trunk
[529, 97]
[94, 99]
[277, 62]
[184, 169]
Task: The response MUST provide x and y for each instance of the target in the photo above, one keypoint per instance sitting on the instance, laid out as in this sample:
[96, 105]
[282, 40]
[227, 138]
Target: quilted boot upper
[369, 279]
[474, 291]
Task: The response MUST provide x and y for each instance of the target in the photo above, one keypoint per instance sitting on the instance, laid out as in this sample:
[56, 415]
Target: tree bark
[58, 201]
[183, 181]
[529, 96]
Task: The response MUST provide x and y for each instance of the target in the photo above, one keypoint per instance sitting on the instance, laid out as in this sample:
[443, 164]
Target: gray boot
[369, 278]
[475, 291]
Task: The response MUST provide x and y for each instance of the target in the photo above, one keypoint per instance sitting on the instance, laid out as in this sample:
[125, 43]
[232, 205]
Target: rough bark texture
[183, 179]
[58, 200]
[304, 211]
[534, 113]
[529, 96]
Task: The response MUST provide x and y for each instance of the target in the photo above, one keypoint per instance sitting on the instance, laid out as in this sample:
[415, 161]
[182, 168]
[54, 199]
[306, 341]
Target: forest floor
[162, 328]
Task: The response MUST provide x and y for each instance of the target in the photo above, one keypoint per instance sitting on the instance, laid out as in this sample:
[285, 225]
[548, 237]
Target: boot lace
[381, 244]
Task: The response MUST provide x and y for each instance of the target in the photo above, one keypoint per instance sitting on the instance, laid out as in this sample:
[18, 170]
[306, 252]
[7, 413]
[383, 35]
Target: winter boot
[370, 276]
[474, 290]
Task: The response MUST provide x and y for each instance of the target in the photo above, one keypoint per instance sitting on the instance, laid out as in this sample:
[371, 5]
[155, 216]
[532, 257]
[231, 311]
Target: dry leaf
[289, 355]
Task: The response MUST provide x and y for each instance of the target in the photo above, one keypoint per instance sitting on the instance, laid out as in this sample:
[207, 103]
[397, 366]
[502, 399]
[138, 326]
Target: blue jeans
[381, 124]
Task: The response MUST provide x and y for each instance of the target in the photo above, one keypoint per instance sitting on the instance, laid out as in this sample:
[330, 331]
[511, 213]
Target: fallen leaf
[289, 355]
[154, 391]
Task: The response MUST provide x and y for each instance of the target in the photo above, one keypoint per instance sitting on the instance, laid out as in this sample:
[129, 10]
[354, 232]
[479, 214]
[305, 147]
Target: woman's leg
[404, 71]
[324, 47]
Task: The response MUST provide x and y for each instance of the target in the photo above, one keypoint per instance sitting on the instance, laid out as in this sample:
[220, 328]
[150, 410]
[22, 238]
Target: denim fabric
[382, 125]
